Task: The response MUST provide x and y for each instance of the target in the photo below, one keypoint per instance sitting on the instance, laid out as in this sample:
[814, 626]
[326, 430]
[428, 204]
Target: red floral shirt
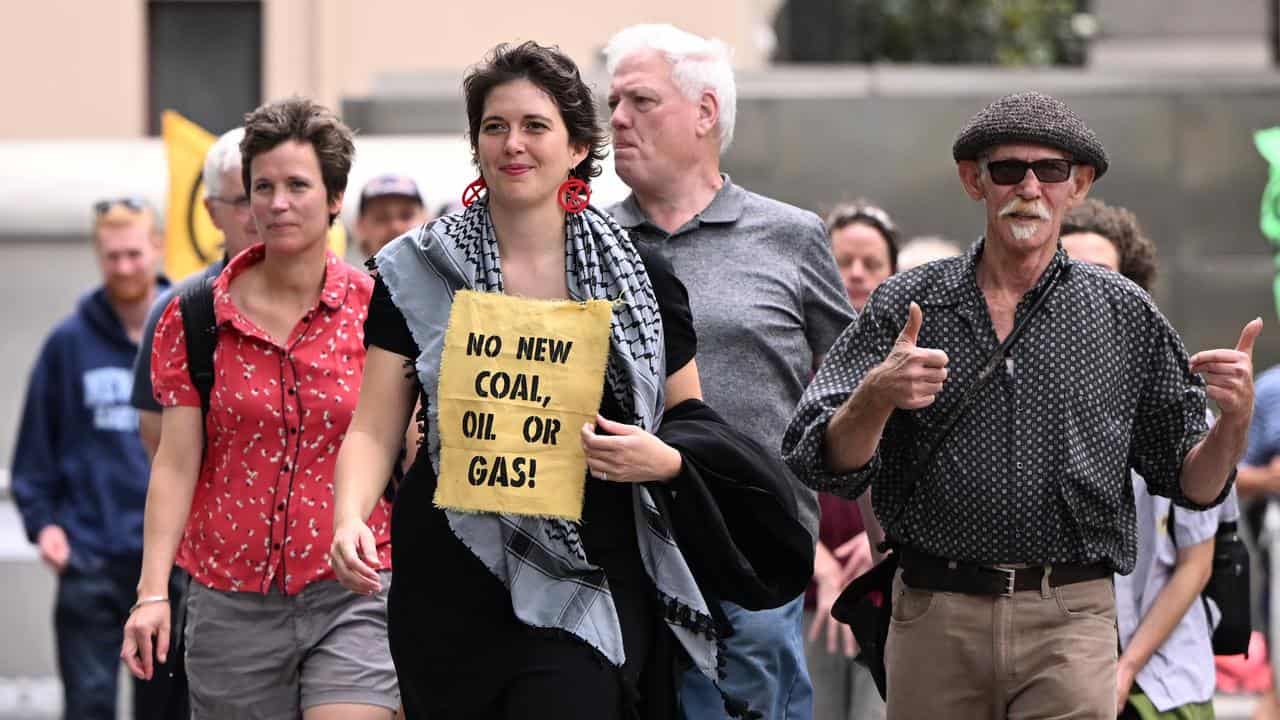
[263, 505]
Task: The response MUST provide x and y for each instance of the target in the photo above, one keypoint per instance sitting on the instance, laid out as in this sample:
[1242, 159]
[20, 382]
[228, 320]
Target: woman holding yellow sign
[537, 574]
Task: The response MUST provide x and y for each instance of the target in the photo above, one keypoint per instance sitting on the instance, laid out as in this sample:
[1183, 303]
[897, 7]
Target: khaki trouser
[1048, 653]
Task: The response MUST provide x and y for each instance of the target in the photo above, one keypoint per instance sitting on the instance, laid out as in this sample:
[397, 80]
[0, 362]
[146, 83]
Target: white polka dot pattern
[1038, 469]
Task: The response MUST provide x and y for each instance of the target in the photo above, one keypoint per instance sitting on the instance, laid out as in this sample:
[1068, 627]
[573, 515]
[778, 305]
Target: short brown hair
[303, 120]
[1137, 251]
[555, 74]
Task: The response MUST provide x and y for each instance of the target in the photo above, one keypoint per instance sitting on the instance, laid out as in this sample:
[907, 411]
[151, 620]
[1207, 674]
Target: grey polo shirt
[767, 301]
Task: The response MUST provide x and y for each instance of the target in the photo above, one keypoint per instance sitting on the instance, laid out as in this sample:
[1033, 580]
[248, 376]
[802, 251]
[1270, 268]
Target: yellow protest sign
[190, 239]
[518, 378]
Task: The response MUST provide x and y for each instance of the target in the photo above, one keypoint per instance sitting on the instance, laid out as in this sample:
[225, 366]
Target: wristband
[149, 601]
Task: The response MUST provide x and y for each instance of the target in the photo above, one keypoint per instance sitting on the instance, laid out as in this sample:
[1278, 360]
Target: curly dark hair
[1137, 251]
[867, 213]
[304, 120]
[552, 71]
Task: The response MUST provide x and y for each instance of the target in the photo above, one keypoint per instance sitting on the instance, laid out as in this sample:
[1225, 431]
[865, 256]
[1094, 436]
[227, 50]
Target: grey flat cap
[1030, 117]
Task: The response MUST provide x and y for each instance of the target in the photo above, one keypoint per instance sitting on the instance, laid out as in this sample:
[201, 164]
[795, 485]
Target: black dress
[459, 650]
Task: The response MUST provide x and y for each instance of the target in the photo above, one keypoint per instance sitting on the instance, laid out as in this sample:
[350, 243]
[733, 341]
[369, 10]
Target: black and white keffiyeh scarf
[541, 561]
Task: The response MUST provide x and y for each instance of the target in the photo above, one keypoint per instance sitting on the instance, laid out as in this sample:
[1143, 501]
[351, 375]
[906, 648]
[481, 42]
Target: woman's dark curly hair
[306, 121]
[558, 76]
[1137, 252]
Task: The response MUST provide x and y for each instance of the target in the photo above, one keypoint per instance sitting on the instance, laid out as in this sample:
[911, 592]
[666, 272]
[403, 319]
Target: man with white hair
[228, 205]
[766, 297]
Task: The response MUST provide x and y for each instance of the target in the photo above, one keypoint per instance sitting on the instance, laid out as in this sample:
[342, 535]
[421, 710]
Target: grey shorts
[272, 656]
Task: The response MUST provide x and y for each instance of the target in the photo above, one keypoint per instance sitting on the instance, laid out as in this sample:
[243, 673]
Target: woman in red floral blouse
[242, 498]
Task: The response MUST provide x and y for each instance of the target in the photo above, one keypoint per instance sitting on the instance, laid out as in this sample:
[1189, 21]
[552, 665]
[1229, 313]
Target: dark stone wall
[1182, 158]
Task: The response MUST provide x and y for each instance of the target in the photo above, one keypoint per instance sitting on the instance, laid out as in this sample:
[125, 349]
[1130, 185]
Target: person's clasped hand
[628, 453]
[1124, 684]
[832, 573]
[146, 637]
[354, 557]
[54, 548]
[839, 638]
[855, 554]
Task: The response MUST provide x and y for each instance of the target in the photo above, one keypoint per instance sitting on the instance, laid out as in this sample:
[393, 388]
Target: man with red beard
[79, 470]
[1009, 515]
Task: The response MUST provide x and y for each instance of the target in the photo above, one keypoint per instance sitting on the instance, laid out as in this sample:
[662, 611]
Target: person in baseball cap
[995, 404]
[390, 205]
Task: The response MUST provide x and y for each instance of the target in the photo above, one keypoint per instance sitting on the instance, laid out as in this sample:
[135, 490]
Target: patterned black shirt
[1037, 470]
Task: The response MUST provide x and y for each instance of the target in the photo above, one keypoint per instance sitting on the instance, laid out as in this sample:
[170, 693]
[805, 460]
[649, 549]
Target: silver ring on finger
[604, 476]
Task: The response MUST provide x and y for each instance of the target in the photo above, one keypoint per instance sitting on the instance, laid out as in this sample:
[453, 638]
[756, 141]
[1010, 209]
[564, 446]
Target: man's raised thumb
[911, 331]
[1249, 335]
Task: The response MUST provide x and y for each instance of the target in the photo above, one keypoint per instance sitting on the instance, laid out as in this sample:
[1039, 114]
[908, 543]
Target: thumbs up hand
[911, 331]
[1228, 374]
[912, 376]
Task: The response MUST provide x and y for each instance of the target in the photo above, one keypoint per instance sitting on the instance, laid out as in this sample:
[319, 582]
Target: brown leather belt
[927, 572]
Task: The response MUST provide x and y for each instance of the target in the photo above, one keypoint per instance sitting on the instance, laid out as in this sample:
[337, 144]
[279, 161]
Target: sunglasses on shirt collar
[1011, 172]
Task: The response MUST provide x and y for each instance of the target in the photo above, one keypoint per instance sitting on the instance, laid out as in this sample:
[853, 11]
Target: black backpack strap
[201, 330]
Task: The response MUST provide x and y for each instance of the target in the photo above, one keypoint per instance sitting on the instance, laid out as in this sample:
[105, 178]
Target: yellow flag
[518, 378]
[191, 241]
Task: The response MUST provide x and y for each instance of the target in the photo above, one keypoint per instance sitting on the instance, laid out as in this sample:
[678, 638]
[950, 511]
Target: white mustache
[1019, 206]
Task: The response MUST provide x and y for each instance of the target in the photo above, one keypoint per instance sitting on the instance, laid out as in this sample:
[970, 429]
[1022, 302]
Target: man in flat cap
[1007, 498]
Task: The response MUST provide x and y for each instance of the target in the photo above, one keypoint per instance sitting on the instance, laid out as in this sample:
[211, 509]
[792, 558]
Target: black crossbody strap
[997, 357]
[201, 329]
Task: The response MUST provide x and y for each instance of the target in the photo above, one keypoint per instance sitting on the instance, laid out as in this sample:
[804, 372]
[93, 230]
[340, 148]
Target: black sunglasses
[1011, 172]
[131, 203]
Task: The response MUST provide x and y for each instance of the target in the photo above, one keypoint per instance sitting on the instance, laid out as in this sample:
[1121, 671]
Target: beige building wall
[75, 69]
[78, 68]
[332, 49]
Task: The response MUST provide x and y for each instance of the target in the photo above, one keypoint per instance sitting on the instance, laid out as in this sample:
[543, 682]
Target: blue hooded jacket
[79, 462]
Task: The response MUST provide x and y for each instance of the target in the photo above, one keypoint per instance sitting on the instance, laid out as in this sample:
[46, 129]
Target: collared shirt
[766, 299]
[1181, 670]
[263, 505]
[1037, 470]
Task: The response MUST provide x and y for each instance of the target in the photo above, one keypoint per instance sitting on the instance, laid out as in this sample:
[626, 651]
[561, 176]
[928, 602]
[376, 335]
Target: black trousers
[563, 680]
[91, 608]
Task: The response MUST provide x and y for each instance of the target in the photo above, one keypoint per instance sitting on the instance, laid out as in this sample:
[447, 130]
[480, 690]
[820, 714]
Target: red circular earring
[472, 192]
[573, 195]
